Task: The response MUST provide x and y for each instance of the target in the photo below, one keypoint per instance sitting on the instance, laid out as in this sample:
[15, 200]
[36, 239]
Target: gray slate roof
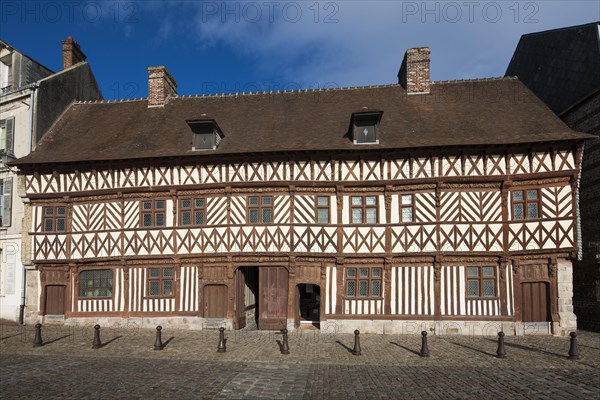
[561, 66]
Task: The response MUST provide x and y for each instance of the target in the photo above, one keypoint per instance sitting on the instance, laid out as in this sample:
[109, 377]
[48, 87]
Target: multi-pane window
[481, 282]
[407, 208]
[192, 211]
[96, 283]
[153, 213]
[260, 209]
[54, 218]
[525, 204]
[363, 282]
[363, 209]
[160, 282]
[323, 209]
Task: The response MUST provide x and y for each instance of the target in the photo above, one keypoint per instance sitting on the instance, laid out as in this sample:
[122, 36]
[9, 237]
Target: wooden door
[240, 298]
[215, 301]
[272, 298]
[535, 304]
[55, 300]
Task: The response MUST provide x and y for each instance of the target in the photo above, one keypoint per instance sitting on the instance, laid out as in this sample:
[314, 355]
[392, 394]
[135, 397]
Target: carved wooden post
[437, 287]
[356, 350]
[502, 266]
[424, 348]
[517, 270]
[97, 343]
[552, 275]
[387, 278]
[37, 341]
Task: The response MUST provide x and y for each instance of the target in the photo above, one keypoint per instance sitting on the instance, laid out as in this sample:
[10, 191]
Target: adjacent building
[444, 206]
[562, 67]
[32, 97]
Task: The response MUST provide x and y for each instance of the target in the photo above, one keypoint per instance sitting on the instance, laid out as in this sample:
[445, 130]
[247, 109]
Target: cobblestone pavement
[318, 366]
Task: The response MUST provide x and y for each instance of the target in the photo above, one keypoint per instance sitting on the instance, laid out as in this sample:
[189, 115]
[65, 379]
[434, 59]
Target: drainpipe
[30, 148]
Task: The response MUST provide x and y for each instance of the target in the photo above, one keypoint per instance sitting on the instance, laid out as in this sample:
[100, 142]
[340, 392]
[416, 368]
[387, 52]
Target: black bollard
[574, 349]
[221, 348]
[158, 344]
[501, 352]
[96, 344]
[37, 341]
[356, 350]
[424, 348]
[285, 349]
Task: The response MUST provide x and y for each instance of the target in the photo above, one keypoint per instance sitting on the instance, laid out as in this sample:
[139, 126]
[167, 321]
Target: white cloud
[360, 42]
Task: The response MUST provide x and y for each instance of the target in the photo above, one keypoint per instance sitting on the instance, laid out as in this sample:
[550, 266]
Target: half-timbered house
[446, 206]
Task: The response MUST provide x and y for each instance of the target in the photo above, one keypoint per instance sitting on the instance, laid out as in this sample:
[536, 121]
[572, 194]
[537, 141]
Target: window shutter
[10, 124]
[7, 197]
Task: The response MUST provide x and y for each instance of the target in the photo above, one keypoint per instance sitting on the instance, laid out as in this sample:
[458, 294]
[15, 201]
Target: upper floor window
[192, 211]
[153, 213]
[6, 201]
[363, 282]
[96, 283]
[260, 209]
[365, 127]
[6, 135]
[525, 204]
[6, 73]
[54, 218]
[407, 208]
[160, 282]
[481, 282]
[363, 209]
[206, 134]
[322, 209]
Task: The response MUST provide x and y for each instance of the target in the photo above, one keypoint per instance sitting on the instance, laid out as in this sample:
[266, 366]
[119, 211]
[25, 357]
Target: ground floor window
[481, 282]
[160, 282]
[363, 282]
[96, 283]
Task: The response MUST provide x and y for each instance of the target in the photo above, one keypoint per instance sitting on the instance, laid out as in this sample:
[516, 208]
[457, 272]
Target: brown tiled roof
[480, 112]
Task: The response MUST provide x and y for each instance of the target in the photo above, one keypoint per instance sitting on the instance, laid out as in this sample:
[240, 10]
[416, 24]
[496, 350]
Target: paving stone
[318, 366]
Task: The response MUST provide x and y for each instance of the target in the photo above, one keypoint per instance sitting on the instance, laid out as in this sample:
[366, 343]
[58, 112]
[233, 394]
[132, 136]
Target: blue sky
[241, 46]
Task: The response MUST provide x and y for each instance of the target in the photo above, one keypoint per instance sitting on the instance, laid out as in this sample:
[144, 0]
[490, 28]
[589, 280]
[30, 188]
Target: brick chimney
[161, 86]
[71, 53]
[414, 72]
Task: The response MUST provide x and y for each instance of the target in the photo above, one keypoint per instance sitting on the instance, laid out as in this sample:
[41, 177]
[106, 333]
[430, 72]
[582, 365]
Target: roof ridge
[292, 91]
[306, 90]
[488, 79]
[104, 101]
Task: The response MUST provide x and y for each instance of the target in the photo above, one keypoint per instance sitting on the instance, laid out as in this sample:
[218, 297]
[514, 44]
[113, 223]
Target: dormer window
[365, 127]
[206, 134]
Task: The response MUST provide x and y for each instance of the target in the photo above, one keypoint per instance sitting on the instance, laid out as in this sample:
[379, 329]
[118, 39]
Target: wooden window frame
[153, 211]
[480, 278]
[260, 207]
[82, 280]
[364, 207]
[410, 206]
[192, 209]
[323, 207]
[54, 217]
[357, 278]
[161, 278]
[526, 201]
